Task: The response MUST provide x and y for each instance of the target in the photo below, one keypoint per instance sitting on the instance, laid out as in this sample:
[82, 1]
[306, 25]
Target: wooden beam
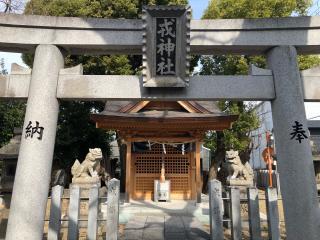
[132, 176]
[133, 107]
[139, 106]
[127, 107]
[188, 107]
[167, 128]
[128, 171]
[167, 139]
[193, 175]
[193, 107]
[198, 171]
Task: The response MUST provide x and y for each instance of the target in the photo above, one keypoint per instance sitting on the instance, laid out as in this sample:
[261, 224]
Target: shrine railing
[74, 219]
[234, 208]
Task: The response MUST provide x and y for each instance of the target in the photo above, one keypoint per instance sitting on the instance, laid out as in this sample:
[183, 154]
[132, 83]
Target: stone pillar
[216, 209]
[272, 213]
[253, 212]
[294, 159]
[113, 209]
[55, 213]
[236, 225]
[32, 178]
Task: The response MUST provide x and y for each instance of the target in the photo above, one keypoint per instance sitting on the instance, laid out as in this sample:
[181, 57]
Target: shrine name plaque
[166, 46]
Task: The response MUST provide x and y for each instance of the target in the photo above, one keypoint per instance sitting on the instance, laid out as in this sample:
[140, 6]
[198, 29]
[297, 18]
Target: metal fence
[262, 179]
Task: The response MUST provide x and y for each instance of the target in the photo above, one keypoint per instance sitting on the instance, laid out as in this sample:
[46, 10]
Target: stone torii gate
[50, 37]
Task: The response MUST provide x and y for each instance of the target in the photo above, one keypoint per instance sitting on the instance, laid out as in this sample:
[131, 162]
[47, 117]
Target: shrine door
[146, 167]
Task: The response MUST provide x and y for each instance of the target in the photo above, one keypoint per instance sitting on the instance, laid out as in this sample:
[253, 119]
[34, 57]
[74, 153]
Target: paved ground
[173, 208]
[164, 228]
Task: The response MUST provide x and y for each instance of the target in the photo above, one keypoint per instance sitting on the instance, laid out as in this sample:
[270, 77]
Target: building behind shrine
[266, 125]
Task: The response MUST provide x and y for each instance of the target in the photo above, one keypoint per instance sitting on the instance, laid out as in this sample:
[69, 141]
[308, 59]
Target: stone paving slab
[154, 222]
[174, 224]
[198, 234]
[191, 223]
[153, 234]
[137, 223]
[134, 228]
[165, 228]
[177, 220]
[176, 236]
[135, 234]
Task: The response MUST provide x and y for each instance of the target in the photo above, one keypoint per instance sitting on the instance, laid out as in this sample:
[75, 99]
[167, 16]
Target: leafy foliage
[76, 133]
[94, 8]
[238, 137]
[255, 9]
[306, 62]
[3, 70]
[11, 114]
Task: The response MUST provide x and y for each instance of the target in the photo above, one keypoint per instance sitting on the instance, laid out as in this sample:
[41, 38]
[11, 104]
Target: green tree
[238, 136]
[11, 114]
[76, 133]
[255, 9]
[3, 70]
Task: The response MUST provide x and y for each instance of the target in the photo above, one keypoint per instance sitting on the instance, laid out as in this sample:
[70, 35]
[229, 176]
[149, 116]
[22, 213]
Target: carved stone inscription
[34, 129]
[298, 133]
[166, 46]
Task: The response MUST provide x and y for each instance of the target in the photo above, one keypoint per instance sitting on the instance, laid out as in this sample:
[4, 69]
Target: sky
[198, 7]
[315, 9]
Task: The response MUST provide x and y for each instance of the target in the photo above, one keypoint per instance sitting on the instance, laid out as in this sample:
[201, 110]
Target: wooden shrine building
[157, 132]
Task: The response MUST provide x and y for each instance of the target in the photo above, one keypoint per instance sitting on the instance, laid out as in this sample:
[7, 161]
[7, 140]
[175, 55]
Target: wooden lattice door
[146, 167]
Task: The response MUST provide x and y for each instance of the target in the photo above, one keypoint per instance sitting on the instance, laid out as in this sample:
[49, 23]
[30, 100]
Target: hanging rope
[173, 144]
[170, 143]
[164, 149]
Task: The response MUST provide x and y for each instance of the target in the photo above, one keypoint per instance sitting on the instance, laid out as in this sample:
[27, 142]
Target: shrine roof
[117, 106]
[161, 115]
[146, 115]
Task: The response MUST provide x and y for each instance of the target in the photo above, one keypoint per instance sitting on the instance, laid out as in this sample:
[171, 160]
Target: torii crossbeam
[279, 39]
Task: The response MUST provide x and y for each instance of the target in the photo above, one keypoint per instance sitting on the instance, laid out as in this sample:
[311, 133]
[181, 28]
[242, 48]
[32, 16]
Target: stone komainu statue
[90, 167]
[235, 167]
